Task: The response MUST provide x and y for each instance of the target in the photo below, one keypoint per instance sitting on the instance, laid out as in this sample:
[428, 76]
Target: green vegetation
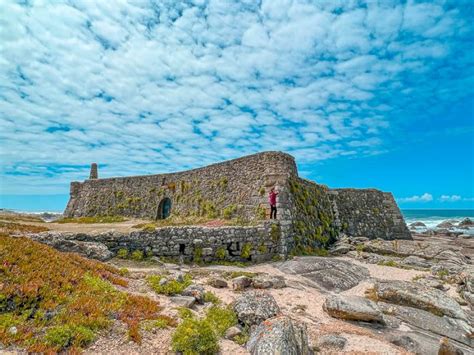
[211, 297]
[197, 256]
[314, 225]
[360, 248]
[200, 336]
[220, 253]
[59, 301]
[260, 212]
[246, 251]
[229, 211]
[442, 273]
[185, 313]
[94, 219]
[162, 322]
[170, 287]
[391, 263]
[193, 337]
[261, 191]
[122, 253]
[275, 232]
[262, 248]
[137, 255]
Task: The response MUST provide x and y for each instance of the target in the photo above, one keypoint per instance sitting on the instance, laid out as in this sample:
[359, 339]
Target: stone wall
[368, 213]
[191, 243]
[314, 225]
[235, 188]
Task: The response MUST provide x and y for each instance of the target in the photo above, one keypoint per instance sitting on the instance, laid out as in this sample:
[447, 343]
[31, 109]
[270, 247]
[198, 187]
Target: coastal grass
[169, 287]
[18, 228]
[201, 336]
[92, 219]
[53, 302]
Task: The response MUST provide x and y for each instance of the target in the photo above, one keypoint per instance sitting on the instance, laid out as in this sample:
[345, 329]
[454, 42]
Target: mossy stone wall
[233, 189]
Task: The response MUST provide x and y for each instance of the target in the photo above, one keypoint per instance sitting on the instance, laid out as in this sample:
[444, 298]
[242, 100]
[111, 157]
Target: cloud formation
[426, 197]
[144, 87]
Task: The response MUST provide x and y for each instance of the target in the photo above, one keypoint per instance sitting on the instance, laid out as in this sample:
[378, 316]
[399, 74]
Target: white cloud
[426, 197]
[450, 198]
[151, 87]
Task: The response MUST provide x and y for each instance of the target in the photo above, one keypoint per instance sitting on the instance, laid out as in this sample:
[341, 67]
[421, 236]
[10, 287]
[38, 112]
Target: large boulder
[65, 242]
[466, 222]
[279, 335]
[253, 307]
[353, 308]
[268, 281]
[418, 296]
[326, 273]
[405, 248]
[455, 329]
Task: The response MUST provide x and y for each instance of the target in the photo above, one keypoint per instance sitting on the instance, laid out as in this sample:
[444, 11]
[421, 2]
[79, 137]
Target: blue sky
[364, 94]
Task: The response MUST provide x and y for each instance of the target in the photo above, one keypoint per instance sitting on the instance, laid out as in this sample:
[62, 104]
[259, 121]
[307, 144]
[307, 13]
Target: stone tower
[94, 172]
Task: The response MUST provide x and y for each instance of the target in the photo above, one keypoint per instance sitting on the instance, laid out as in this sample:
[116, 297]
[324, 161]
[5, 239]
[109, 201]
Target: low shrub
[194, 336]
[246, 251]
[122, 253]
[137, 255]
[170, 287]
[211, 297]
[221, 319]
[220, 253]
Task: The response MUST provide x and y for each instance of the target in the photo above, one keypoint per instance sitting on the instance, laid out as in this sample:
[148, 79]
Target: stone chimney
[94, 171]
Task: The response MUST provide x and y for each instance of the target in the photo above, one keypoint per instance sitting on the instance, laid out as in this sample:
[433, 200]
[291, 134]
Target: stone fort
[310, 215]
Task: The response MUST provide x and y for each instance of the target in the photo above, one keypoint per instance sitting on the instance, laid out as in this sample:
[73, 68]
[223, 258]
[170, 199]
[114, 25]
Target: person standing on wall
[272, 199]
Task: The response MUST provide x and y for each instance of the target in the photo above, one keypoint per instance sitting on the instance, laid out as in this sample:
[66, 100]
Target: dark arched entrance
[164, 208]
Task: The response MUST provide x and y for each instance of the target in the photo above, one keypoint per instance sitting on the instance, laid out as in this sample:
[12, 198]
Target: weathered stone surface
[416, 261]
[341, 249]
[414, 343]
[466, 222]
[241, 282]
[217, 282]
[326, 273]
[89, 249]
[405, 248]
[418, 296]
[352, 308]
[418, 224]
[445, 224]
[332, 341]
[279, 335]
[183, 301]
[254, 307]
[456, 329]
[232, 332]
[268, 281]
[196, 291]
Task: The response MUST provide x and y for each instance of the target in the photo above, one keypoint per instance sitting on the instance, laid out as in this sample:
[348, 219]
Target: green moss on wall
[313, 228]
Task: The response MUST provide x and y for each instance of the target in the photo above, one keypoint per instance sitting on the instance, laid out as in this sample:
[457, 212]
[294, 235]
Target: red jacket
[272, 198]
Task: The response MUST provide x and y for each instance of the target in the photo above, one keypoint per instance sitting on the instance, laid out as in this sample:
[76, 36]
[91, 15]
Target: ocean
[432, 218]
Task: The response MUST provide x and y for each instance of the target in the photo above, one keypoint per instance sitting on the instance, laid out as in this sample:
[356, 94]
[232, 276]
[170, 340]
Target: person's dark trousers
[273, 212]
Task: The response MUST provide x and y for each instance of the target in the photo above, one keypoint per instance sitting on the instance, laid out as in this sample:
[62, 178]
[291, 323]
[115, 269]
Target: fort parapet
[310, 216]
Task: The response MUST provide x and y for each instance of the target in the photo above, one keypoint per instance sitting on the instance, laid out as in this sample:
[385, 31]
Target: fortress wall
[192, 243]
[236, 188]
[314, 226]
[368, 213]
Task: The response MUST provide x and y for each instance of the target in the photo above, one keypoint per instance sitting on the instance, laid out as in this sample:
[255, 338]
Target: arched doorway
[164, 208]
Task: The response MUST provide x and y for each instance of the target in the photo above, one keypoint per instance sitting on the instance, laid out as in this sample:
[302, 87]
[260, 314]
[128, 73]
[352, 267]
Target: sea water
[432, 218]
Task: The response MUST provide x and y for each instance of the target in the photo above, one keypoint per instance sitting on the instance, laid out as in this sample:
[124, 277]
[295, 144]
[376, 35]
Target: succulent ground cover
[52, 301]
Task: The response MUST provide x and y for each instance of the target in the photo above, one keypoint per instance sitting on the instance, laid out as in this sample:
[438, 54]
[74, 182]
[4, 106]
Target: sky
[373, 94]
